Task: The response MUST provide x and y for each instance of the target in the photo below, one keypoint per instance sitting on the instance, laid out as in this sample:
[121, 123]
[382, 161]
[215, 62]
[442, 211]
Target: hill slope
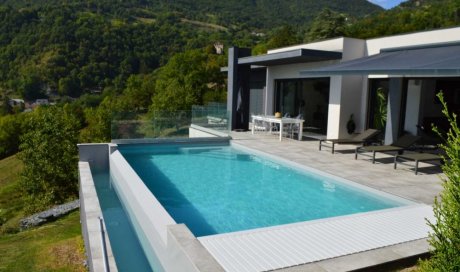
[261, 14]
[73, 47]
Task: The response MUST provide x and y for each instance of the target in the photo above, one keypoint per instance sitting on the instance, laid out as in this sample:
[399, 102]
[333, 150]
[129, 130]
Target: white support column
[335, 96]
[412, 117]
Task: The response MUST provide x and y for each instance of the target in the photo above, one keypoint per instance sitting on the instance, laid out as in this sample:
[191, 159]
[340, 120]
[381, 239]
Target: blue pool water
[220, 189]
[128, 253]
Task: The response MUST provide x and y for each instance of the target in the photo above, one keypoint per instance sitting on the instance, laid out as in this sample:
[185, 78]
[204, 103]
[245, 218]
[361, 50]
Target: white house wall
[419, 38]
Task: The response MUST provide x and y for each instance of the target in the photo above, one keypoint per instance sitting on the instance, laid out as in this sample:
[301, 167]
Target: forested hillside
[74, 47]
[261, 14]
[410, 16]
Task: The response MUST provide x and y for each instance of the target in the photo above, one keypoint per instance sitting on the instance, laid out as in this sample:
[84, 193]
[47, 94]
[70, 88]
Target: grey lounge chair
[417, 157]
[360, 138]
[398, 146]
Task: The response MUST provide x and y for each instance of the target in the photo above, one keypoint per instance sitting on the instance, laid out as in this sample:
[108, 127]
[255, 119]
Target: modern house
[206, 203]
[387, 83]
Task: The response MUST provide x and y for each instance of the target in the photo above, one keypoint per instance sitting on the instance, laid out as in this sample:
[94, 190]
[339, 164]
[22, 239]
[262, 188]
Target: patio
[403, 182]
[381, 175]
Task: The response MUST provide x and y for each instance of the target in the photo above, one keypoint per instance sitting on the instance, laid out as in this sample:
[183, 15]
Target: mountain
[261, 14]
[72, 46]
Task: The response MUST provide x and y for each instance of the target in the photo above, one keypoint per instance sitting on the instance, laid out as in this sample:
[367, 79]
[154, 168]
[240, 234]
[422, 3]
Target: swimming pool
[124, 241]
[217, 189]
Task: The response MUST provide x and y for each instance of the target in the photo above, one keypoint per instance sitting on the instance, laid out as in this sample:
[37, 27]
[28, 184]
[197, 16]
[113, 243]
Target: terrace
[421, 188]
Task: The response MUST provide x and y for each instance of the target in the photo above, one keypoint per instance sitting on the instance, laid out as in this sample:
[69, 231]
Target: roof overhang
[427, 60]
[290, 57]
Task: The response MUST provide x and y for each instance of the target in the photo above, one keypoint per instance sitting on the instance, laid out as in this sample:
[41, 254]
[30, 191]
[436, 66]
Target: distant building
[219, 48]
[16, 102]
[42, 101]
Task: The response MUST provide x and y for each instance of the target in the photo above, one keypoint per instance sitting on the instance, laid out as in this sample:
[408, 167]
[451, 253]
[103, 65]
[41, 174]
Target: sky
[387, 4]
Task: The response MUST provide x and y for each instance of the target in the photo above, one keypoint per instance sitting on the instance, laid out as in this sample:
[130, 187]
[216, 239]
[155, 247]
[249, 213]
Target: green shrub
[445, 236]
[49, 153]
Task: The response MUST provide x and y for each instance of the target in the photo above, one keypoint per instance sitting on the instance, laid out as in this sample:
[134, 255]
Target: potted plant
[351, 126]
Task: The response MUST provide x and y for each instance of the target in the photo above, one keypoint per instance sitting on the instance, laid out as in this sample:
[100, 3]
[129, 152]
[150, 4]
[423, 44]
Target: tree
[445, 238]
[30, 86]
[99, 122]
[328, 24]
[49, 152]
[5, 107]
[284, 36]
[186, 80]
[138, 92]
[10, 132]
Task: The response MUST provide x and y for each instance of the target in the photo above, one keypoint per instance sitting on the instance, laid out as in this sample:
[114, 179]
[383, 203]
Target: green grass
[56, 246]
[11, 203]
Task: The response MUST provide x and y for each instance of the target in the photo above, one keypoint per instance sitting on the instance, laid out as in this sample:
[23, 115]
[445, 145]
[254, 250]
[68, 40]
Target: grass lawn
[56, 246]
[11, 204]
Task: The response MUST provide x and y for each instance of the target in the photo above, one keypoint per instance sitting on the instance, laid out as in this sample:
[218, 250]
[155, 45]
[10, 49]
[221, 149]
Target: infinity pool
[125, 244]
[220, 189]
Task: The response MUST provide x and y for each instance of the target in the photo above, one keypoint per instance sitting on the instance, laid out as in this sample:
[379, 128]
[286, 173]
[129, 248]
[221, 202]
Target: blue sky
[387, 4]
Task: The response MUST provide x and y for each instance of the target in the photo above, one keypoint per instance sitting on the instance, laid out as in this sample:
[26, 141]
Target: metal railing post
[103, 245]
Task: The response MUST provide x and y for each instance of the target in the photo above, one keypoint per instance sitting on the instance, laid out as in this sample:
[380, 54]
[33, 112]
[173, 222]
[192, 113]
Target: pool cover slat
[330, 237]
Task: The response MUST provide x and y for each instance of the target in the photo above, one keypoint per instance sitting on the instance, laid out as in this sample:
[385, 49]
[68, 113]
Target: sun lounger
[360, 138]
[398, 146]
[416, 157]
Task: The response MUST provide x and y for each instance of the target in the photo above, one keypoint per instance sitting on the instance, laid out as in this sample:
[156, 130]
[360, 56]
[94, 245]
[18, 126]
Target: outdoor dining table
[281, 121]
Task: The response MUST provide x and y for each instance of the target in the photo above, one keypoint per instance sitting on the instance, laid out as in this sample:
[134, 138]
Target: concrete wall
[167, 247]
[96, 154]
[90, 210]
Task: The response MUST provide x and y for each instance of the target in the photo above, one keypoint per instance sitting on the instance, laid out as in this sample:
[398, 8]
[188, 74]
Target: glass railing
[213, 116]
[169, 124]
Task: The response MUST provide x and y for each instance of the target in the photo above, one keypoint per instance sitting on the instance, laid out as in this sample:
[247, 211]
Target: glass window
[378, 102]
[308, 97]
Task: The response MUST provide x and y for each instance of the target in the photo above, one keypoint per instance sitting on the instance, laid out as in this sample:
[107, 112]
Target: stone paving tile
[381, 175]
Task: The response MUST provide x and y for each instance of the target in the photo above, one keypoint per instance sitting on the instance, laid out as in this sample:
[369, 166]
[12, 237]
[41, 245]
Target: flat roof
[289, 57]
[426, 60]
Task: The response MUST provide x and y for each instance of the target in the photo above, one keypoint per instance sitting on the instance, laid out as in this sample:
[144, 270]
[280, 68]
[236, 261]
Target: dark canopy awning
[435, 59]
[289, 57]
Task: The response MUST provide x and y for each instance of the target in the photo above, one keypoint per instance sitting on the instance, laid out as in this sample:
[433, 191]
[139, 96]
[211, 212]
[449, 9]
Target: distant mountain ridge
[257, 14]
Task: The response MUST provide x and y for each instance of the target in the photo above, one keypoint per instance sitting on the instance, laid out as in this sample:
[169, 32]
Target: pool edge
[90, 211]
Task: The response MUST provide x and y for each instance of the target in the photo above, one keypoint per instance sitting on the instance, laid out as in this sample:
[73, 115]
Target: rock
[48, 215]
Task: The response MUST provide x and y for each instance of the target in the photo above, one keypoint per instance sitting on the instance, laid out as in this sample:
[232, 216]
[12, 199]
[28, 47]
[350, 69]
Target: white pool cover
[295, 244]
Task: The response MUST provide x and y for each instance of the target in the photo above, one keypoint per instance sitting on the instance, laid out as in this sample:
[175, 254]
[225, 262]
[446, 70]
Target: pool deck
[402, 182]
[421, 188]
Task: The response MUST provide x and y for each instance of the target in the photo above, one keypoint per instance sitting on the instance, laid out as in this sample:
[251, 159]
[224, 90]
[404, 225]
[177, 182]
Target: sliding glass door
[308, 97]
